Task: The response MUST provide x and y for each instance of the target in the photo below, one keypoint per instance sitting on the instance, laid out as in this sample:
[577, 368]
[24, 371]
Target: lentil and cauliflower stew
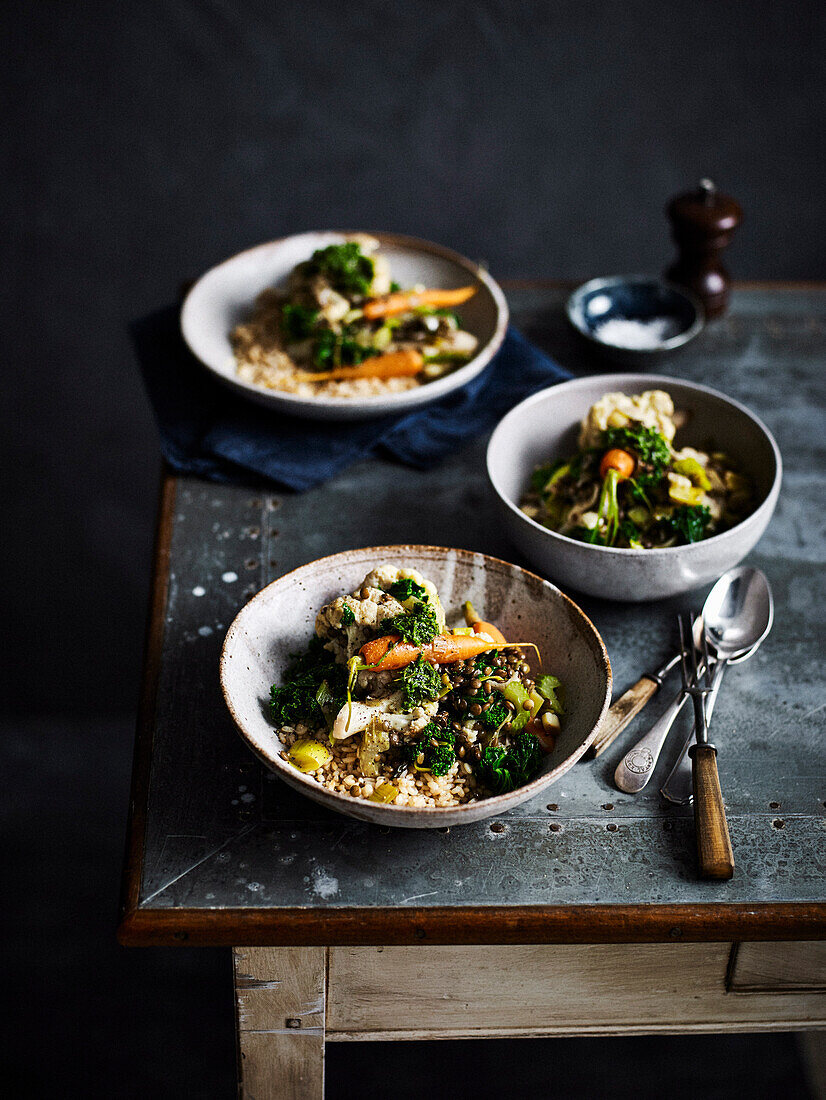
[391, 705]
[628, 486]
[343, 328]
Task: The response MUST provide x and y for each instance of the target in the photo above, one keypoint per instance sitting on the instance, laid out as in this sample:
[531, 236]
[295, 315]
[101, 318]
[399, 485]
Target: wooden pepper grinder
[702, 224]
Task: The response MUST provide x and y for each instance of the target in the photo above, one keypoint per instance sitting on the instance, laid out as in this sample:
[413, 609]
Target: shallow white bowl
[546, 426]
[224, 297]
[279, 621]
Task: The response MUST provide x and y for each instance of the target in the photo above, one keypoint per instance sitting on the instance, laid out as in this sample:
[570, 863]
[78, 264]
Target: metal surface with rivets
[221, 832]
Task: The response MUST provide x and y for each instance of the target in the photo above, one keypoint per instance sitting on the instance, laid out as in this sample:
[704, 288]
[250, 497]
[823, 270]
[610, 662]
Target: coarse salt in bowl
[633, 319]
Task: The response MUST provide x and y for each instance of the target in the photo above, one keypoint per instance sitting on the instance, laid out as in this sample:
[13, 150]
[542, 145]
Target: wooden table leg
[280, 999]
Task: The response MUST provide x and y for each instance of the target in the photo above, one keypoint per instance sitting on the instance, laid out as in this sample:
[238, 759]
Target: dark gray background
[145, 141]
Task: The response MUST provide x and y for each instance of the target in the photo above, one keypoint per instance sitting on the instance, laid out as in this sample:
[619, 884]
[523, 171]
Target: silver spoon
[738, 608]
[727, 631]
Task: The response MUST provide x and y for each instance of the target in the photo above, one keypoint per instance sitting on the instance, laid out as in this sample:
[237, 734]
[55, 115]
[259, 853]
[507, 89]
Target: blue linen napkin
[211, 432]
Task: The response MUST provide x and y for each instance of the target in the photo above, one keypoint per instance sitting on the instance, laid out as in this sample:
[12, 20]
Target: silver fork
[715, 857]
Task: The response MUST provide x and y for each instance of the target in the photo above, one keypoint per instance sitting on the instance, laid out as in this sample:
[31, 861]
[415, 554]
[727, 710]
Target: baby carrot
[480, 626]
[395, 364]
[410, 299]
[389, 652]
[618, 460]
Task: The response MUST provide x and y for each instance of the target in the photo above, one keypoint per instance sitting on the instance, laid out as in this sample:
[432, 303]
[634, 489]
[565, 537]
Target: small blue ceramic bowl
[635, 319]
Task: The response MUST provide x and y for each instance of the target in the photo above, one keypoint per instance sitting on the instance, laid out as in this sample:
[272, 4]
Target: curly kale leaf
[419, 627]
[644, 485]
[504, 770]
[345, 267]
[543, 474]
[631, 533]
[347, 616]
[496, 713]
[405, 589]
[495, 716]
[312, 682]
[420, 682]
[297, 321]
[339, 349]
[689, 521]
[437, 758]
[649, 445]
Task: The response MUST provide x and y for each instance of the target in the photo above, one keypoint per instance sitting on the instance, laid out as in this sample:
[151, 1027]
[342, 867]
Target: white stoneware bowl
[224, 296]
[279, 621]
[546, 426]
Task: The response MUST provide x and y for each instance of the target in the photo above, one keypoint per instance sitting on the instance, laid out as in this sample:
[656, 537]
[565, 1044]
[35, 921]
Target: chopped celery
[547, 686]
[382, 337]
[385, 792]
[639, 516]
[556, 476]
[516, 693]
[323, 696]
[308, 755]
[691, 468]
[684, 494]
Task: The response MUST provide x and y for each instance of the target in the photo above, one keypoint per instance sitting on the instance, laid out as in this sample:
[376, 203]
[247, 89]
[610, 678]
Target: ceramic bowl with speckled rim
[224, 297]
[280, 620]
[545, 426]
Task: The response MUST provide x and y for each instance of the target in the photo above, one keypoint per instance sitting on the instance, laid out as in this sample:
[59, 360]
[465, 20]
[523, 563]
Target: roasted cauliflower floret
[652, 409]
[386, 575]
[369, 606]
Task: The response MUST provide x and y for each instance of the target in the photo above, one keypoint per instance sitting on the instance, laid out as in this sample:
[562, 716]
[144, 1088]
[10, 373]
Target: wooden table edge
[549, 924]
[144, 734]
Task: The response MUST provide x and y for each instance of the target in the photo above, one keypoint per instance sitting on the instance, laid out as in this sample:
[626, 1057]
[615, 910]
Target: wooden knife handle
[626, 708]
[714, 855]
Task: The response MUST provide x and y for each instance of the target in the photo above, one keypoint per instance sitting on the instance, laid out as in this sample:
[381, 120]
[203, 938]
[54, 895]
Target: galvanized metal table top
[221, 851]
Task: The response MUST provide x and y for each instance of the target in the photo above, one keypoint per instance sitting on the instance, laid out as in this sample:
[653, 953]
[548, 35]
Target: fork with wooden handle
[715, 857]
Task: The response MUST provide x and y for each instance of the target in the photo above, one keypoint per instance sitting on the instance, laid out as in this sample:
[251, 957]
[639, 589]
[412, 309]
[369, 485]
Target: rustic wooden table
[344, 931]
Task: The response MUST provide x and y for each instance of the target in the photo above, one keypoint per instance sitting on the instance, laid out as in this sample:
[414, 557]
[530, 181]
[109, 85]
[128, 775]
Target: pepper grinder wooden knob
[703, 222]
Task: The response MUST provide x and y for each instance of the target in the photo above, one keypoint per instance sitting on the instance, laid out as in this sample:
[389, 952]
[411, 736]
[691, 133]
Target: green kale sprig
[298, 322]
[505, 769]
[345, 267]
[339, 349]
[421, 682]
[494, 713]
[542, 475]
[347, 615]
[437, 758]
[495, 716]
[649, 445]
[689, 521]
[405, 589]
[419, 626]
[312, 683]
